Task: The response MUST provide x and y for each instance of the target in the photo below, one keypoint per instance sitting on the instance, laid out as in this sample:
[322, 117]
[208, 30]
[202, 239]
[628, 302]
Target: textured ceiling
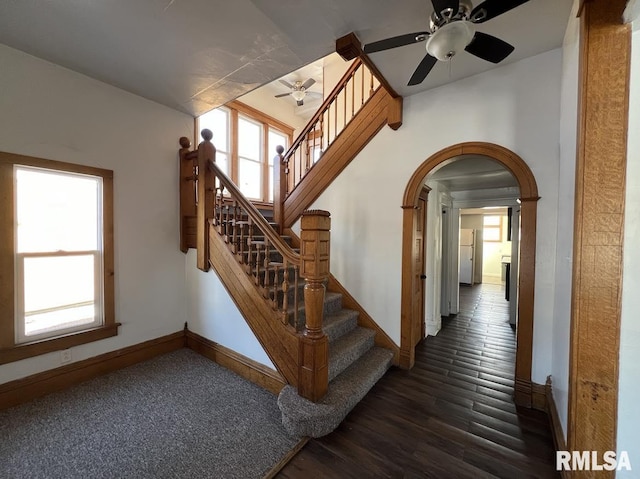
[193, 55]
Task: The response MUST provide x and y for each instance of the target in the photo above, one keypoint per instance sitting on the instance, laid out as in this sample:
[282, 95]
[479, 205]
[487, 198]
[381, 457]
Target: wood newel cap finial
[280, 150]
[206, 134]
[185, 142]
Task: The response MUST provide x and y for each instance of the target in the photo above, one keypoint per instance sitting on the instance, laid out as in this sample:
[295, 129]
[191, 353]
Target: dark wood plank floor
[451, 416]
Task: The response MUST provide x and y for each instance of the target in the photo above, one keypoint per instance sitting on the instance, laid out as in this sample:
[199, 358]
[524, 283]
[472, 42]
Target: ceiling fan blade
[317, 94]
[394, 42]
[308, 83]
[300, 102]
[282, 94]
[440, 5]
[286, 83]
[492, 8]
[422, 70]
[489, 48]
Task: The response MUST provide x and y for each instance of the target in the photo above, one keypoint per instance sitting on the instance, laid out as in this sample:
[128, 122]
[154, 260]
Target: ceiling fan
[299, 90]
[451, 29]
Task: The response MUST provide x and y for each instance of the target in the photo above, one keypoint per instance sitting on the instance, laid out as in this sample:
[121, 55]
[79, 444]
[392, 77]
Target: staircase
[323, 351]
[355, 365]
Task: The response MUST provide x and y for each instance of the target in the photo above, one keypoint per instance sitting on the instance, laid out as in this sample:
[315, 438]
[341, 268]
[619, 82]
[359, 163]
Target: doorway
[528, 197]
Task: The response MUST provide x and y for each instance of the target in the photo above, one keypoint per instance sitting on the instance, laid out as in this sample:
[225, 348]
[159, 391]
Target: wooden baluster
[352, 80]
[267, 277]
[250, 247]
[344, 117]
[274, 288]
[296, 284]
[335, 119]
[206, 185]
[235, 234]
[313, 350]
[256, 276]
[242, 245]
[279, 187]
[371, 88]
[308, 158]
[322, 132]
[285, 291]
[361, 86]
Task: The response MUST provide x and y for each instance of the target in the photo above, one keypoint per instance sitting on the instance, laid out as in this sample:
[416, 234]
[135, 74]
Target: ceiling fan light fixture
[450, 39]
[298, 95]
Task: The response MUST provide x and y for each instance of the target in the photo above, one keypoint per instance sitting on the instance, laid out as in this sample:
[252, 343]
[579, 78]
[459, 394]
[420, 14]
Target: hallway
[451, 416]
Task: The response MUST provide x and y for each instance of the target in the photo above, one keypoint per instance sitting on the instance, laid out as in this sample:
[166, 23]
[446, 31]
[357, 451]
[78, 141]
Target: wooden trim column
[313, 379]
[206, 153]
[605, 51]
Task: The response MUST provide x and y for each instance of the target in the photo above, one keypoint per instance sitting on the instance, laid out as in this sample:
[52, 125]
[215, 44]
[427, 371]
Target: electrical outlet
[65, 356]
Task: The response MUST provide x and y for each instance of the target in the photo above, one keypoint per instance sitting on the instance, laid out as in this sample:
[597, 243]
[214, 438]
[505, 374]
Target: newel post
[188, 186]
[313, 373]
[206, 183]
[279, 187]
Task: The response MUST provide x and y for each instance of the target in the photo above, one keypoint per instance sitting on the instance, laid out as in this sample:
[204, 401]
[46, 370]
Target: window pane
[218, 122]
[491, 234]
[222, 160]
[275, 139]
[250, 179]
[249, 139]
[59, 292]
[49, 208]
[491, 220]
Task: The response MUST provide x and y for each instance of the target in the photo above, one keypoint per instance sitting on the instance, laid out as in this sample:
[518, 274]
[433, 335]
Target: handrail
[325, 104]
[283, 248]
[354, 90]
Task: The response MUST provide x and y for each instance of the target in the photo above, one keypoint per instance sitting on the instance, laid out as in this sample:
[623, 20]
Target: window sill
[28, 350]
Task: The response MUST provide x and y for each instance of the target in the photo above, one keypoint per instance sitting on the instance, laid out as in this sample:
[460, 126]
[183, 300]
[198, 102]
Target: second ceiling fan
[299, 90]
[451, 30]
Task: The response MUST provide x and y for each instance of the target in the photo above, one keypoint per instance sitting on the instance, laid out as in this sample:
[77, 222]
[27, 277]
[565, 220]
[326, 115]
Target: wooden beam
[605, 57]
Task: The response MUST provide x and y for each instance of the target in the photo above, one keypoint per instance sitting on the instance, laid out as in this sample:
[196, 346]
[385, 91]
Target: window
[492, 228]
[58, 272]
[245, 141]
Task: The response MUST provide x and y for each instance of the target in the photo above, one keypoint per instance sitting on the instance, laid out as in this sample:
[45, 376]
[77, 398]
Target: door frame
[529, 201]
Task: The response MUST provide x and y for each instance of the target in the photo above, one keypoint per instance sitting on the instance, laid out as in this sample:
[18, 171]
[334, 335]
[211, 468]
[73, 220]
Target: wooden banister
[279, 187]
[206, 156]
[323, 108]
[253, 241]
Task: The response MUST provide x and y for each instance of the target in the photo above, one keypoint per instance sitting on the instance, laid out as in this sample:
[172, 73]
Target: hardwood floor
[451, 416]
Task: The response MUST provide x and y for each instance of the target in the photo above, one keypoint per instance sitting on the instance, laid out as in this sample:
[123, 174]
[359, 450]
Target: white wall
[515, 106]
[213, 314]
[564, 248]
[629, 382]
[50, 112]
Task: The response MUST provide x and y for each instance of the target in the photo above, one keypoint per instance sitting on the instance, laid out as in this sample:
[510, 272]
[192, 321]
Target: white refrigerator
[467, 237]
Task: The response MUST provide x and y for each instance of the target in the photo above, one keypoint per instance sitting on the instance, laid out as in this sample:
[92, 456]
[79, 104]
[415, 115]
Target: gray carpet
[177, 416]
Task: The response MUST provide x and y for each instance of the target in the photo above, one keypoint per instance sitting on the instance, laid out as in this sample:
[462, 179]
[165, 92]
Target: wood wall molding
[529, 196]
[605, 52]
[243, 366]
[355, 136]
[37, 385]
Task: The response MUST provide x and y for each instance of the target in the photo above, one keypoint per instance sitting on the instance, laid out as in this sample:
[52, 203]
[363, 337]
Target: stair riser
[331, 306]
[348, 357]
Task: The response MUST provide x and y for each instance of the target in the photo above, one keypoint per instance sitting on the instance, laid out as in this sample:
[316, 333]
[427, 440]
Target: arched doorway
[529, 198]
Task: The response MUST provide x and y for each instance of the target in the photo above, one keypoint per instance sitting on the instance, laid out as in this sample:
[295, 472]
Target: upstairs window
[58, 272]
[245, 141]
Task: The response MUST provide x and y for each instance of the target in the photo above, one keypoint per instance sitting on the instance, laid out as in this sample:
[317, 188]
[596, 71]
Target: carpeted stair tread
[348, 348]
[332, 303]
[340, 323]
[302, 417]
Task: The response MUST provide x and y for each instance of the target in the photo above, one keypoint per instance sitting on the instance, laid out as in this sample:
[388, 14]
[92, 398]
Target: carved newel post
[206, 183]
[314, 347]
[188, 185]
[279, 187]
